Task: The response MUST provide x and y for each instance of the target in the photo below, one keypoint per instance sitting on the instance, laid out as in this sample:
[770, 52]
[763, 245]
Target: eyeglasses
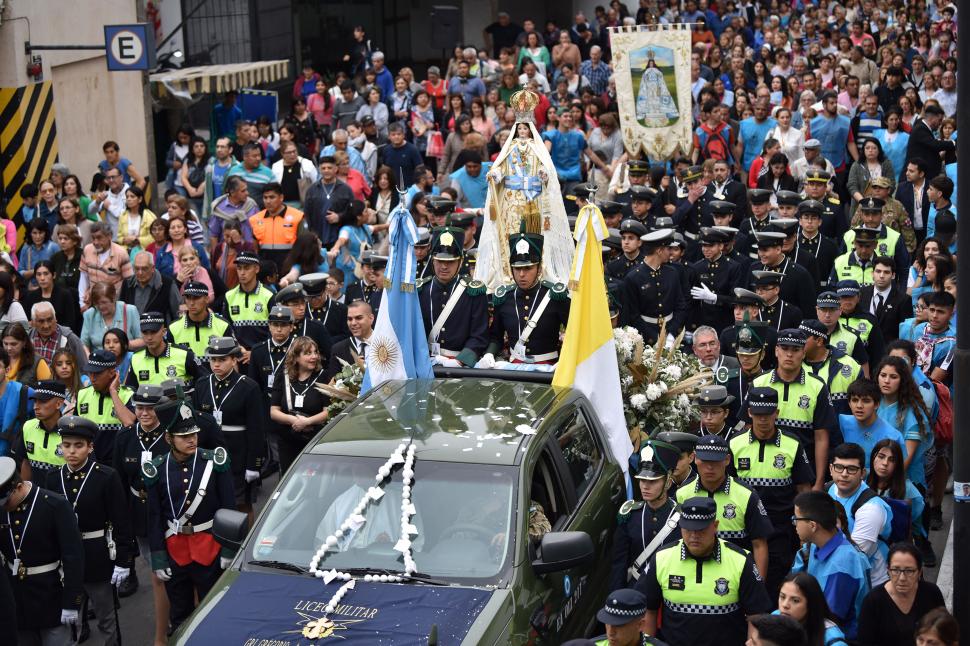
[795, 519]
[851, 469]
[903, 572]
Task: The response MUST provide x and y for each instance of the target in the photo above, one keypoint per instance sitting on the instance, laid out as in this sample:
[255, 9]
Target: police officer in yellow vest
[804, 409]
[858, 263]
[199, 323]
[159, 360]
[831, 365]
[705, 584]
[623, 616]
[247, 304]
[889, 242]
[742, 518]
[861, 321]
[841, 338]
[775, 465]
[38, 447]
[105, 402]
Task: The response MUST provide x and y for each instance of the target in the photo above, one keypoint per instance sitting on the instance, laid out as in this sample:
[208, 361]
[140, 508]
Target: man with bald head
[149, 291]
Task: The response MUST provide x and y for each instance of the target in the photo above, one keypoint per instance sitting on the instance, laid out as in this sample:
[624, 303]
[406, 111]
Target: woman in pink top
[320, 104]
[191, 269]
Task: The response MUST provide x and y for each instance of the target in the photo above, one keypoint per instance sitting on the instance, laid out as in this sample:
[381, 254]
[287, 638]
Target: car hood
[253, 608]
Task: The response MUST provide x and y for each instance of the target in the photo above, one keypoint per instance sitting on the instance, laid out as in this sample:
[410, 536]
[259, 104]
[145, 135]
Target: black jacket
[897, 308]
[159, 299]
[924, 145]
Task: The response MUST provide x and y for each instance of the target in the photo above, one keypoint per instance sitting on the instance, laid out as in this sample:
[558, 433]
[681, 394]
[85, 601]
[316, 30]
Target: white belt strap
[536, 358]
[37, 569]
[445, 313]
[671, 525]
[451, 354]
[141, 495]
[86, 536]
[534, 321]
[176, 527]
[655, 320]
[186, 529]
[232, 428]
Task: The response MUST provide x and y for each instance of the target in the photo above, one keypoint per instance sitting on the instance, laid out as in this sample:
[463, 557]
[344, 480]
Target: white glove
[224, 562]
[487, 361]
[669, 342]
[703, 294]
[69, 617]
[251, 476]
[119, 575]
[447, 362]
[164, 575]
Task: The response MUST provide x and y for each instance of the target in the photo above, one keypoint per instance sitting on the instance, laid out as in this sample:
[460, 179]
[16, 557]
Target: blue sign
[129, 47]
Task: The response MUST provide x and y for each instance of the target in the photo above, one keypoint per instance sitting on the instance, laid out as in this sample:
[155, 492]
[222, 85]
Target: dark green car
[491, 454]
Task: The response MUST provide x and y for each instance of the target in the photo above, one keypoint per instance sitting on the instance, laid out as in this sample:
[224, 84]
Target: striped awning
[209, 79]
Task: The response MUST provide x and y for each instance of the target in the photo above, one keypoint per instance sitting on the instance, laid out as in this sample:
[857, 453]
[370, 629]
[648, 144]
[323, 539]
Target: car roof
[471, 420]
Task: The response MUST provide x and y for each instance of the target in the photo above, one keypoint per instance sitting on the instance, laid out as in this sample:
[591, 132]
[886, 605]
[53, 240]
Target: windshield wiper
[417, 576]
[280, 565]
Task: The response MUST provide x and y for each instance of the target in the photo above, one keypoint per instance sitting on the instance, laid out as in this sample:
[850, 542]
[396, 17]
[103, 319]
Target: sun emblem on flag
[384, 352]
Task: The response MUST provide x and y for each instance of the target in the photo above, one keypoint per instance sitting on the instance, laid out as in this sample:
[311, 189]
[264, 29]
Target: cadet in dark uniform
[630, 232]
[736, 247]
[797, 286]
[612, 213]
[742, 518]
[638, 172]
[776, 313]
[39, 540]
[37, 448]
[859, 320]
[642, 201]
[295, 297]
[834, 221]
[321, 308]
[235, 402]
[717, 276]
[106, 403]
[468, 223]
[160, 360]
[247, 304]
[775, 465]
[529, 314]
[612, 243]
[185, 489]
[688, 215]
[454, 309]
[750, 351]
[623, 617]
[759, 203]
[422, 254]
[714, 403]
[199, 323]
[265, 367]
[789, 246]
[652, 291]
[812, 242]
[683, 471]
[747, 310]
[642, 519]
[371, 287]
[705, 584]
[96, 494]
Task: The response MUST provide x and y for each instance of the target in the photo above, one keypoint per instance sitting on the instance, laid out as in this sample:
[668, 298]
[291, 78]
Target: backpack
[715, 146]
[901, 517]
[943, 428]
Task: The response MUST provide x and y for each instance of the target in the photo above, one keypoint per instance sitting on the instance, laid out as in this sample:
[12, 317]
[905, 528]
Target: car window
[579, 449]
[464, 514]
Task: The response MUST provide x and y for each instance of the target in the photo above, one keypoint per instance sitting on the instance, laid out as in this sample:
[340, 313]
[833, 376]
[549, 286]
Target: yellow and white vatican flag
[651, 67]
[588, 358]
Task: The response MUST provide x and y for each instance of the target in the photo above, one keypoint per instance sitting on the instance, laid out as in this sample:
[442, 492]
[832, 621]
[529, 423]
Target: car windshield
[463, 518]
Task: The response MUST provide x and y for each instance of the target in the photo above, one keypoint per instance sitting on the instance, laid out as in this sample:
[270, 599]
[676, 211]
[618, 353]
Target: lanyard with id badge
[217, 408]
[295, 399]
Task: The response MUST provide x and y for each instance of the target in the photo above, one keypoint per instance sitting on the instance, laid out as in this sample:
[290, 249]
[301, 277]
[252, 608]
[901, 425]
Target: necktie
[877, 305]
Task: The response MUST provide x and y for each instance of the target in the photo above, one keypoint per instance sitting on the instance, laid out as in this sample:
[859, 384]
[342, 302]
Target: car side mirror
[563, 550]
[229, 527]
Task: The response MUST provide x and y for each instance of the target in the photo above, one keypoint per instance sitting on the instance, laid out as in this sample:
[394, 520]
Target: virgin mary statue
[655, 107]
[522, 186]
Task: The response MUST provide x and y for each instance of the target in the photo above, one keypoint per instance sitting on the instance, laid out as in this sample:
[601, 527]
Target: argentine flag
[398, 348]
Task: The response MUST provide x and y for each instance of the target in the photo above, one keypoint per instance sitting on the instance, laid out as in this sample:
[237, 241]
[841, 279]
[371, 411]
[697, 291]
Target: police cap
[100, 360]
[759, 195]
[623, 606]
[710, 235]
[711, 448]
[722, 207]
[638, 166]
[871, 204]
[847, 287]
[814, 327]
[49, 389]
[746, 297]
[314, 284]
[151, 321]
[291, 293]
[525, 249]
[770, 238]
[817, 175]
[792, 338]
[77, 426]
[788, 198]
[811, 207]
[609, 207]
[827, 301]
[691, 174]
[247, 258]
[195, 289]
[642, 193]
[634, 226]
[762, 400]
[866, 236]
[698, 513]
[424, 237]
[373, 260]
[685, 442]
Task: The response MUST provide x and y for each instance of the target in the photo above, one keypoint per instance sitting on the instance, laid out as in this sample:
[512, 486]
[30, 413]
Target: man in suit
[912, 194]
[885, 299]
[923, 142]
[707, 349]
[360, 322]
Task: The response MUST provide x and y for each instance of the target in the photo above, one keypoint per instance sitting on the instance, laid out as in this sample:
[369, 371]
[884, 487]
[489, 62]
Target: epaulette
[421, 282]
[739, 550]
[219, 457]
[501, 293]
[473, 287]
[627, 508]
[723, 374]
[834, 200]
[149, 470]
[221, 317]
[557, 291]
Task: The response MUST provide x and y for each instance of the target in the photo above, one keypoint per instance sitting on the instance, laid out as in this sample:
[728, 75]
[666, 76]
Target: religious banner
[652, 72]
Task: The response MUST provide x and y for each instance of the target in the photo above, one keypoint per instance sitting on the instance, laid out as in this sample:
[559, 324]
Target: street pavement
[137, 612]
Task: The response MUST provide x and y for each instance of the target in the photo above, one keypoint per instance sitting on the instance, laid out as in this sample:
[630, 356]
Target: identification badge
[676, 582]
[298, 401]
[146, 456]
[218, 415]
[435, 349]
[269, 381]
[744, 464]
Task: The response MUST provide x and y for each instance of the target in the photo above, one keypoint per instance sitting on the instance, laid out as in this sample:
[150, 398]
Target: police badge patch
[258, 308]
[779, 462]
[730, 511]
[721, 587]
[804, 402]
[170, 371]
[841, 345]
[82, 409]
[846, 370]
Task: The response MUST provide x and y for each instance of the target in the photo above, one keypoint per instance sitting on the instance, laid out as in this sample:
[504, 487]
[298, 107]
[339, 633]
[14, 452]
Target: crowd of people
[804, 242]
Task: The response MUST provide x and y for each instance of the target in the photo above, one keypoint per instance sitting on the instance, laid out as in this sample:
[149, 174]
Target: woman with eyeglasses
[891, 611]
[903, 408]
[802, 599]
